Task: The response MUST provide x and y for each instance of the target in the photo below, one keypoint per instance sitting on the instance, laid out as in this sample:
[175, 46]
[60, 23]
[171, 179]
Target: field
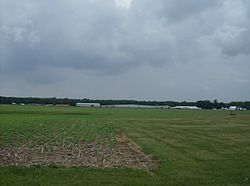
[188, 147]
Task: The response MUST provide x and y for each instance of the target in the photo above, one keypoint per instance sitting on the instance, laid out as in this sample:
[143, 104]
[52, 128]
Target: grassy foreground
[193, 147]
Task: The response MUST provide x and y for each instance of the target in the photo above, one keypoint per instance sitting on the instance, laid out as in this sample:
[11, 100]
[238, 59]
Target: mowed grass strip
[198, 147]
[192, 147]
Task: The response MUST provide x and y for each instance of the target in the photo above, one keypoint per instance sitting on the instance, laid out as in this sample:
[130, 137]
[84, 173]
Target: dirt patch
[122, 152]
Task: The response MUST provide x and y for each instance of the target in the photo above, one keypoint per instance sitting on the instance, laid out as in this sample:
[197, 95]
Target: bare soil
[121, 153]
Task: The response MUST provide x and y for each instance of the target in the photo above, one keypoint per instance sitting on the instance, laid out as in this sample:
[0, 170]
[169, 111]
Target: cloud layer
[140, 49]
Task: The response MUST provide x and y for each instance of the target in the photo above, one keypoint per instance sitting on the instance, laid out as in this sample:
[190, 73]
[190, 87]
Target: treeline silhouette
[204, 104]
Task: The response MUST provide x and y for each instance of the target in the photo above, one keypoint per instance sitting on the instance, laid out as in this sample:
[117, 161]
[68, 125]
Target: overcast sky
[126, 49]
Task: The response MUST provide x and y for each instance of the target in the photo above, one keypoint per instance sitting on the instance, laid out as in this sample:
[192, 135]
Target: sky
[126, 49]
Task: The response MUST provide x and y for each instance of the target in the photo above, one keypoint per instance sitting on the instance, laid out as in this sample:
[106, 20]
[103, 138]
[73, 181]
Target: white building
[187, 107]
[88, 104]
[233, 108]
[138, 106]
[236, 108]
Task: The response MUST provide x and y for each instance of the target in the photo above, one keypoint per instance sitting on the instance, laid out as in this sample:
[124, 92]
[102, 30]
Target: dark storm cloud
[174, 45]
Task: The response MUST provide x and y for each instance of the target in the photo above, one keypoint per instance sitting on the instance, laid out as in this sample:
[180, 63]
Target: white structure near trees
[233, 108]
[138, 106]
[236, 108]
[88, 104]
[187, 107]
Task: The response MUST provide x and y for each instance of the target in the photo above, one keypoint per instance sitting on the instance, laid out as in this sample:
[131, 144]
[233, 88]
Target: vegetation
[193, 147]
[204, 104]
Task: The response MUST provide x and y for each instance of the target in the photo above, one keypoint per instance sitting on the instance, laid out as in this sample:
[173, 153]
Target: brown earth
[121, 153]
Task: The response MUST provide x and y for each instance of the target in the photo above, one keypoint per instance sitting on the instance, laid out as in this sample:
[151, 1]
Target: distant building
[187, 107]
[236, 108]
[138, 106]
[232, 108]
[88, 105]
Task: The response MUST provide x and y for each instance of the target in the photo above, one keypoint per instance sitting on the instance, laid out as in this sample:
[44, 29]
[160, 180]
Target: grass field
[192, 147]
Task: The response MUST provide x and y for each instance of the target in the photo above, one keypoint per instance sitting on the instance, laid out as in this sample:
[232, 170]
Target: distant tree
[206, 104]
[216, 104]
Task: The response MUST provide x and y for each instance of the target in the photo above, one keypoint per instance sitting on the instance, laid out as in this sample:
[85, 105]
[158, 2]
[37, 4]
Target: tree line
[204, 104]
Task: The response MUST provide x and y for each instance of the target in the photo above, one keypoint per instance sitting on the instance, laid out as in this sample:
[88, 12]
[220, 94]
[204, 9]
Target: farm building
[236, 108]
[88, 105]
[137, 106]
[187, 107]
[232, 108]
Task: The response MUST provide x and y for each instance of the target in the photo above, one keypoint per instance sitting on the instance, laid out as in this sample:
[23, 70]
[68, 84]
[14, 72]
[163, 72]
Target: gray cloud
[175, 10]
[165, 49]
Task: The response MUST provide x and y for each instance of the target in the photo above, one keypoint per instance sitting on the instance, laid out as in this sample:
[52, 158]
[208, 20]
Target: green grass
[193, 147]
[39, 129]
